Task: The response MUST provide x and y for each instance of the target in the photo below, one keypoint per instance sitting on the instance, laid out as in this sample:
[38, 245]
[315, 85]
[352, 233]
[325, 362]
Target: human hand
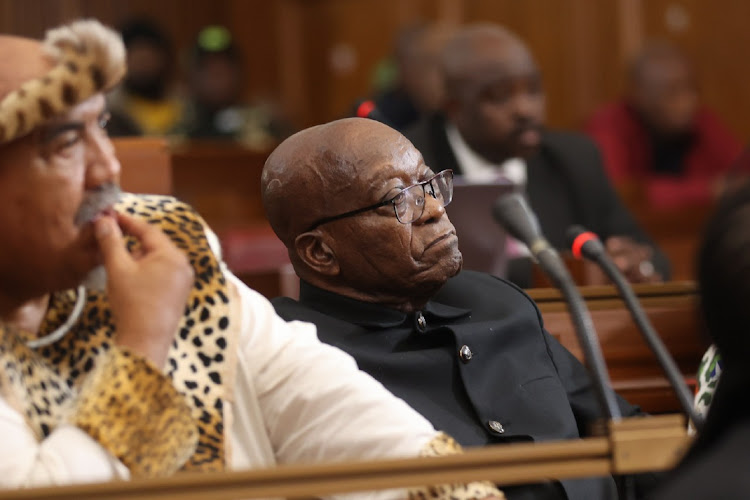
[632, 259]
[147, 289]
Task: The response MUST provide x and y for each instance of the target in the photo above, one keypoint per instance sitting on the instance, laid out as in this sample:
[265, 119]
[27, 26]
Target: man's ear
[312, 249]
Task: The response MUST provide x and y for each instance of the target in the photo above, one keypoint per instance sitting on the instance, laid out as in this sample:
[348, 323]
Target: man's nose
[524, 104]
[101, 162]
[433, 209]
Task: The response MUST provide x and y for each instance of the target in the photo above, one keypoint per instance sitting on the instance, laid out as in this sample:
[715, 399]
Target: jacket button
[495, 426]
[465, 353]
[421, 322]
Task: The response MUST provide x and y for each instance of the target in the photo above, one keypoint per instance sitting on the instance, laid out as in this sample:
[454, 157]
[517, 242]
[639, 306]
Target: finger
[150, 237]
[110, 241]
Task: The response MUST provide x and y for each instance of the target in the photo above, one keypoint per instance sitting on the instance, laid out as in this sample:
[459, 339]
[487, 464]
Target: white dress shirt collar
[477, 169]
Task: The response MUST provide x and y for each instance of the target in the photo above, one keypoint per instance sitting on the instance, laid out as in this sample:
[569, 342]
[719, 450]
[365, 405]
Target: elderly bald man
[364, 220]
[176, 365]
[491, 125]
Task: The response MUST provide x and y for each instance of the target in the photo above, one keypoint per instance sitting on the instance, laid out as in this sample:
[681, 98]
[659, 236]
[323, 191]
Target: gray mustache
[103, 197]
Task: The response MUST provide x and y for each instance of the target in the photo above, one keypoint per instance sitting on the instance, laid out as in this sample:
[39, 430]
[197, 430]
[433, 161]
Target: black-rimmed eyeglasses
[409, 203]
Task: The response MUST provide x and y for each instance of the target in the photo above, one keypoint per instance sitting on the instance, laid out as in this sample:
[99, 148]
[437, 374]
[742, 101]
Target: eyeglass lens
[409, 204]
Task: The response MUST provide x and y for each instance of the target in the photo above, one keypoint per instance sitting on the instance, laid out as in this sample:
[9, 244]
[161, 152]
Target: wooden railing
[632, 446]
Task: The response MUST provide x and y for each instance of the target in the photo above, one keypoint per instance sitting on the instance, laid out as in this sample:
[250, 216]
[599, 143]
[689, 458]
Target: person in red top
[659, 133]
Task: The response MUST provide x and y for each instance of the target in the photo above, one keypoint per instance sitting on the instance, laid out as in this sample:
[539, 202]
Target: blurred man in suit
[491, 126]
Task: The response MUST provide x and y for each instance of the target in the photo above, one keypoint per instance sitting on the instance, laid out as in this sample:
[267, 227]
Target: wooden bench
[635, 373]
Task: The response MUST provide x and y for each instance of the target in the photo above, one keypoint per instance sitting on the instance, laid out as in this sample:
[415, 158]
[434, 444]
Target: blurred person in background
[416, 88]
[147, 101]
[716, 465]
[661, 135]
[216, 108]
[491, 126]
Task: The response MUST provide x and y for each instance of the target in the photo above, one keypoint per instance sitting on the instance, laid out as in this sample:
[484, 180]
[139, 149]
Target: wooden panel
[635, 373]
[713, 33]
[222, 181]
[146, 165]
[318, 55]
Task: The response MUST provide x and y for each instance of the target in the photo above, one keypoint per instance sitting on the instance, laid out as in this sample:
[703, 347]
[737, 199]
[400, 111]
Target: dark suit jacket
[518, 376]
[566, 185]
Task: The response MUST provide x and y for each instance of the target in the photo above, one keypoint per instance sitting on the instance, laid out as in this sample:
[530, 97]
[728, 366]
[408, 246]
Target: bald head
[311, 174]
[21, 59]
[332, 194]
[480, 51]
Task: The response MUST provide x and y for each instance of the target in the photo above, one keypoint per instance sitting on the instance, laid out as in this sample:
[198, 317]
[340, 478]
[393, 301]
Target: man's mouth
[440, 239]
[98, 204]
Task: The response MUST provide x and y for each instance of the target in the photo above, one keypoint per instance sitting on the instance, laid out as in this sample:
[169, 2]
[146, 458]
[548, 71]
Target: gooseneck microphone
[587, 244]
[513, 213]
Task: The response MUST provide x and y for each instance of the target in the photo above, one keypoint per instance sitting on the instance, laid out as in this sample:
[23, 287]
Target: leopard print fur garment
[88, 57]
[199, 358]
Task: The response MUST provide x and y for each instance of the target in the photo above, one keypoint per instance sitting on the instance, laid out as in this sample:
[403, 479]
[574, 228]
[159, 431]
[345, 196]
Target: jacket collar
[369, 315]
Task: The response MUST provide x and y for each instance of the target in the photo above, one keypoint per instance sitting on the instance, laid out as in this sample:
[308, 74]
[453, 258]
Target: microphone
[586, 244]
[368, 109]
[513, 213]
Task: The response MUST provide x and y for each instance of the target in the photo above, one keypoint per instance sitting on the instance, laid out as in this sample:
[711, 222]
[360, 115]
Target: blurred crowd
[659, 135]
[208, 100]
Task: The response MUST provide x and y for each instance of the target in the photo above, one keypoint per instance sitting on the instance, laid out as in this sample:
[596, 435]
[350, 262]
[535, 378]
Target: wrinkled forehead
[394, 157]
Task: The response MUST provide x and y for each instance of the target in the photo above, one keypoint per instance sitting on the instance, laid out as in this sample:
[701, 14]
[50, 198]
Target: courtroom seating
[256, 256]
[146, 164]
[633, 369]
[221, 180]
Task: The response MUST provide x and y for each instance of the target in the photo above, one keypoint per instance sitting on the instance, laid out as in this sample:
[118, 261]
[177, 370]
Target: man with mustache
[364, 220]
[176, 365]
[491, 126]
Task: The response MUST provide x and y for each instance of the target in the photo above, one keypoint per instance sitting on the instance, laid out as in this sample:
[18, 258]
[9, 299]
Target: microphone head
[365, 108]
[578, 237]
[513, 213]
[368, 109]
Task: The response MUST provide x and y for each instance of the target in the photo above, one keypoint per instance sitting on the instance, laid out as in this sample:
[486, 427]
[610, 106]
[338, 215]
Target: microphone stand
[593, 250]
[551, 263]
[513, 213]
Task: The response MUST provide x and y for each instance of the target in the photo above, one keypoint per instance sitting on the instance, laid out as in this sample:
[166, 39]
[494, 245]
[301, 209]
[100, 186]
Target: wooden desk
[635, 373]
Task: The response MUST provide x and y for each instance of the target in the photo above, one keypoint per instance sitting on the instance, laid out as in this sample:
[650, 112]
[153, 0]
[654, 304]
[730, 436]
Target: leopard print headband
[89, 58]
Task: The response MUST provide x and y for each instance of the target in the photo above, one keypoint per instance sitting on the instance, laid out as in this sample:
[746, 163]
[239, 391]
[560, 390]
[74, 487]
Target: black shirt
[475, 361]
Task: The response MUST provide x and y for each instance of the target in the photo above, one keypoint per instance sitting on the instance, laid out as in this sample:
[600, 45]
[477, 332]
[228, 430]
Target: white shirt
[476, 169]
[295, 400]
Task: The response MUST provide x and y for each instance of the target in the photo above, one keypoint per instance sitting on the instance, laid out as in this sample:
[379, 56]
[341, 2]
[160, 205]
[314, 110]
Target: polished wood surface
[635, 373]
[221, 181]
[145, 165]
[632, 446]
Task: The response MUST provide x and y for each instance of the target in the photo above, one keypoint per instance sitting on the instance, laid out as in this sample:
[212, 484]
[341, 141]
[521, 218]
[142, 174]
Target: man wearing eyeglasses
[364, 220]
